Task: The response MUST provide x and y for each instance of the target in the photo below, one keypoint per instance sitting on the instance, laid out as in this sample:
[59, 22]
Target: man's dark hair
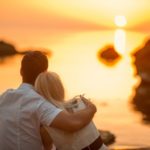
[33, 63]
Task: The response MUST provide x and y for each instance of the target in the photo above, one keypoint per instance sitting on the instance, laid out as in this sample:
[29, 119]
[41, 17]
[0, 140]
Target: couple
[35, 115]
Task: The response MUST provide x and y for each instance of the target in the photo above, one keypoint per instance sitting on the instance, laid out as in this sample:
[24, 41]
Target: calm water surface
[74, 58]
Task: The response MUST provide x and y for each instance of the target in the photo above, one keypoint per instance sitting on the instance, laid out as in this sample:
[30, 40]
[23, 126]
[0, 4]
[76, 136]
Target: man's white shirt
[22, 111]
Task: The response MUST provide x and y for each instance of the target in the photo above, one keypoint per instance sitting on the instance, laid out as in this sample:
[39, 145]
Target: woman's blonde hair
[49, 85]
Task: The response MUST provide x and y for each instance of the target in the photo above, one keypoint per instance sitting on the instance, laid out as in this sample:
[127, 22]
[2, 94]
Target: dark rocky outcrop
[107, 137]
[108, 55]
[7, 49]
[142, 59]
[141, 99]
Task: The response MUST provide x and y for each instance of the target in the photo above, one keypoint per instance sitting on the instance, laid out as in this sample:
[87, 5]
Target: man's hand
[75, 121]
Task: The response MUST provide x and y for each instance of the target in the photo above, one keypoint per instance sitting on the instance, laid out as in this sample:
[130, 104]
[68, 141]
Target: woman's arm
[72, 122]
[46, 139]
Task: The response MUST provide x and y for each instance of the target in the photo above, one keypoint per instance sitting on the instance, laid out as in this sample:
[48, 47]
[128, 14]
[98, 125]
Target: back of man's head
[33, 63]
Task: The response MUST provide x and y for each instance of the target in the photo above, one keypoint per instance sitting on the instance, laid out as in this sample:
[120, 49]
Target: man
[22, 110]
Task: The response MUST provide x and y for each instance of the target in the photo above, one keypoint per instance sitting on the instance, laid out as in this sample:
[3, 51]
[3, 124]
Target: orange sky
[72, 14]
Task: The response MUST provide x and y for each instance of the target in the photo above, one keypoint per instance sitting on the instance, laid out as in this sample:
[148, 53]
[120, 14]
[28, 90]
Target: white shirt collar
[26, 86]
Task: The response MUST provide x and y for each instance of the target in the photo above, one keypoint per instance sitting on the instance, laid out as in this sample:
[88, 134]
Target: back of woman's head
[49, 85]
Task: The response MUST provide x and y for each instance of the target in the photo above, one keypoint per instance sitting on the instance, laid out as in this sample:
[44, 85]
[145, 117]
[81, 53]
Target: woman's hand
[88, 103]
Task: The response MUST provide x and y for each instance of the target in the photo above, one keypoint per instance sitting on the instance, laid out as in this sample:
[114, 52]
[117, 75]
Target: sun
[120, 21]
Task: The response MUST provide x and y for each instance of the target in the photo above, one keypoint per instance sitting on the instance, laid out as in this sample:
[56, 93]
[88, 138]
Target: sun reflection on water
[120, 41]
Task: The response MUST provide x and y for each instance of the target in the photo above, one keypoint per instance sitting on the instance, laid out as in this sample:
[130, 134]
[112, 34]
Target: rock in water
[108, 55]
[7, 49]
[107, 137]
[141, 100]
[142, 59]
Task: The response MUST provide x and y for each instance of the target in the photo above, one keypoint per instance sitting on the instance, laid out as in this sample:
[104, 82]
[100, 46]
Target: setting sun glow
[120, 21]
[97, 48]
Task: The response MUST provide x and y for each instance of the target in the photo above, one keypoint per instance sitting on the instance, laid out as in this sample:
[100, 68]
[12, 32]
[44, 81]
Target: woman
[49, 85]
